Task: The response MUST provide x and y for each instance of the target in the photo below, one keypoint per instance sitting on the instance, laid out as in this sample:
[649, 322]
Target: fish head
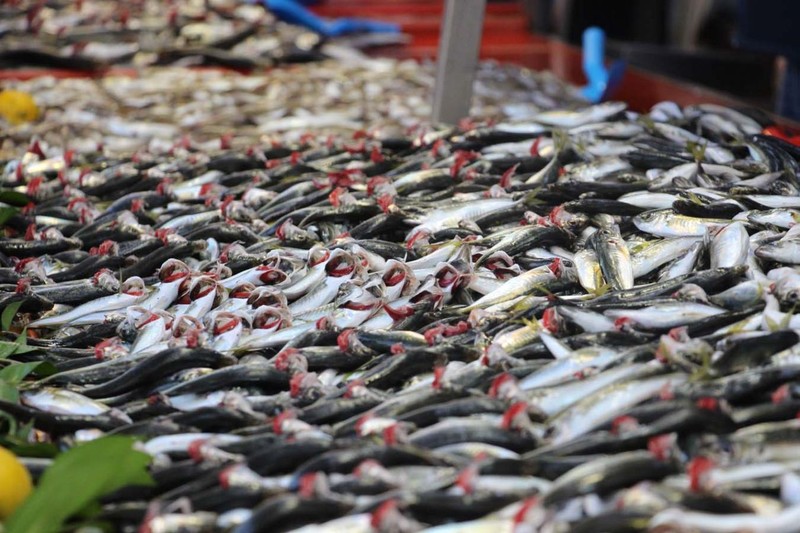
[397, 273]
[242, 291]
[303, 382]
[232, 250]
[494, 355]
[357, 298]
[105, 279]
[290, 360]
[348, 342]
[285, 262]
[505, 387]
[32, 267]
[792, 296]
[375, 285]
[110, 348]
[516, 417]
[186, 327]
[689, 292]
[561, 218]
[142, 317]
[417, 238]
[502, 265]
[318, 255]
[238, 211]
[107, 247]
[205, 285]
[173, 270]
[531, 515]
[650, 217]
[387, 517]
[217, 270]
[447, 277]
[133, 286]
[255, 197]
[370, 469]
[341, 264]
[271, 318]
[429, 291]
[223, 322]
[289, 231]
[267, 296]
[271, 276]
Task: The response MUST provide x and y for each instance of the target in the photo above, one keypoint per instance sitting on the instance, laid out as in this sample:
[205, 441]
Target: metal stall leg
[460, 41]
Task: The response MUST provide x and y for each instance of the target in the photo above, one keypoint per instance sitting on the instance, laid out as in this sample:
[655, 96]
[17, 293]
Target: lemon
[18, 107]
[15, 483]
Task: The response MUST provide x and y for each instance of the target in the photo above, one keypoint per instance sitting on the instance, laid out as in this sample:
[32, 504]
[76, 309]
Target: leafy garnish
[6, 213]
[76, 480]
[7, 317]
[14, 198]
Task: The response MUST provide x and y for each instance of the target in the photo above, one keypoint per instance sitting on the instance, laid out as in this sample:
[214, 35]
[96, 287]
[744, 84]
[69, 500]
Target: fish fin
[694, 198]
[697, 149]
[560, 141]
[787, 318]
[771, 324]
[531, 199]
[602, 287]
[648, 123]
[703, 371]
[532, 324]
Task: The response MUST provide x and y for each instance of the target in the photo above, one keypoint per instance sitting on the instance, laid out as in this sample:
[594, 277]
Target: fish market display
[579, 319]
[94, 34]
[161, 107]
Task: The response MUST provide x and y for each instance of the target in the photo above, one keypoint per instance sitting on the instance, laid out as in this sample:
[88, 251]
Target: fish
[316, 310]
[614, 258]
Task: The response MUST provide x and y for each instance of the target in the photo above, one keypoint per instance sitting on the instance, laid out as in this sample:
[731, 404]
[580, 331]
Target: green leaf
[7, 317]
[8, 392]
[45, 369]
[6, 213]
[14, 198]
[12, 425]
[10, 348]
[40, 449]
[77, 479]
[14, 374]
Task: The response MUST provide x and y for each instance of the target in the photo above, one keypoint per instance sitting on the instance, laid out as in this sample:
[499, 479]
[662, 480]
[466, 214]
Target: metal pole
[459, 44]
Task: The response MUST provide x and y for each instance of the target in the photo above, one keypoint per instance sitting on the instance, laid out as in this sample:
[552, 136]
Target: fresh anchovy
[665, 223]
[316, 310]
[652, 254]
[665, 315]
[608, 403]
[730, 246]
[783, 522]
[784, 251]
[684, 265]
[523, 284]
[614, 258]
[132, 292]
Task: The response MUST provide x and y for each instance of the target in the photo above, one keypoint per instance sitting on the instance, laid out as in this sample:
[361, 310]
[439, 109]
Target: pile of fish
[577, 320]
[159, 107]
[90, 35]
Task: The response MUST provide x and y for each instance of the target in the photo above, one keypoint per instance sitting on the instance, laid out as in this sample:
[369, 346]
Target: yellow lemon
[18, 107]
[15, 483]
